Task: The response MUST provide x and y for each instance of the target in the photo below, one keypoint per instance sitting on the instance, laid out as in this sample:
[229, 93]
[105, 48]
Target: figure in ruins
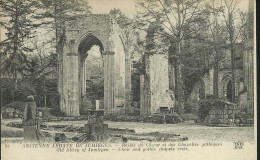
[30, 112]
[31, 132]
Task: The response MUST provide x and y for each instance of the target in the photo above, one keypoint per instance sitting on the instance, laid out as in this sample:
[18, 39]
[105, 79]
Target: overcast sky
[104, 6]
[128, 6]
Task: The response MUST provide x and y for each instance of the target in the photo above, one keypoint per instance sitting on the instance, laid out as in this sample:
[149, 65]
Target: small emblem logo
[239, 145]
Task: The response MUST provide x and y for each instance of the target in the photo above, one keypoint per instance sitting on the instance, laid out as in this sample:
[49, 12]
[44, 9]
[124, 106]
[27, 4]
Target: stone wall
[226, 115]
[223, 79]
[249, 58]
[160, 95]
[230, 115]
[81, 35]
[159, 83]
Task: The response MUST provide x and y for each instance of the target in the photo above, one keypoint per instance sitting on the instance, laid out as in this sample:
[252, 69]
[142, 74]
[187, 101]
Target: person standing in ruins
[30, 112]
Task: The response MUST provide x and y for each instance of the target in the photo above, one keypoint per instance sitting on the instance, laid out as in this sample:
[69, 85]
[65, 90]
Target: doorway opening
[91, 74]
[229, 91]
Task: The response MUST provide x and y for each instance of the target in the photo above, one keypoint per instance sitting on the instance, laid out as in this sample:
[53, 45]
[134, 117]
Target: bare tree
[179, 19]
[217, 38]
[234, 30]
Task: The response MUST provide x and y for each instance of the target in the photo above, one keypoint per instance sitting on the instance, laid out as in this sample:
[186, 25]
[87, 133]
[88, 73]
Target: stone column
[108, 82]
[127, 81]
[83, 78]
[60, 77]
[80, 80]
[249, 61]
[70, 104]
[142, 96]
[31, 132]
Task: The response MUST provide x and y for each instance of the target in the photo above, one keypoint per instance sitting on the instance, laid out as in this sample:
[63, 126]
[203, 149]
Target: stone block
[230, 111]
[225, 111]
[96, 131]
[207, 120]
[87, 128]
[250, 121]
[222, 121]
[31, 133]
[59, 137]
[212, 116]
[225, 116]
[221, 116]
[226, 107]
[231, 107]
[235, 111]
[105, 128]
[231, 121]
[232, 116]
[237, 121]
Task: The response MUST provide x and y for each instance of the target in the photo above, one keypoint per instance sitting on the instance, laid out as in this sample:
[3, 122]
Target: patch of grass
[11, 133]
[57, 112]
[15, 124]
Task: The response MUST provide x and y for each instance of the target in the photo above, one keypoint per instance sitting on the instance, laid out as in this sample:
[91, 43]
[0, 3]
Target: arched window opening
[229, 91]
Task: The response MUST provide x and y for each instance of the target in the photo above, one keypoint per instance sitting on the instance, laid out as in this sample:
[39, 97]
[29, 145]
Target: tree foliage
[18, 23]
[30, 57]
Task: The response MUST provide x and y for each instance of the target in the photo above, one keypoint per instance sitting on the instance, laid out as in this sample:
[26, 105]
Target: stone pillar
[171, 76]
[60, 77]
[97, 104]
[211, 76]
[70, 101]
[73, 97]
[248, 58]
[31, 132]
[142, 96]
[127, 82]
[80, 80]
[108, 82]
[84, 78]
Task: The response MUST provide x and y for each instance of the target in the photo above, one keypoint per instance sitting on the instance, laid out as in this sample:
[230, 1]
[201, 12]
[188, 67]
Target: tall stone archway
[85, 45]
[81, 35]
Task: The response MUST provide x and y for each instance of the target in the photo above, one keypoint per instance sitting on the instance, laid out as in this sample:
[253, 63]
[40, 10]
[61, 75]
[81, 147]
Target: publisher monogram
[239, 145]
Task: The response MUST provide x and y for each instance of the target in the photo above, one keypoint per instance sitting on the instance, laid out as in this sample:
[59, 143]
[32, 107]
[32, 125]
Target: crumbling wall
[107, 34]
[160, 95]
[225, 115]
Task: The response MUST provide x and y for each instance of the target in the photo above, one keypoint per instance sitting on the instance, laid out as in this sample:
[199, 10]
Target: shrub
[28, 87]
[158, 119]
[11, 133]
[15, 124]
[244, 115]
[190, 107]
[173, 118]
[16, 105]
[57, 112]
[214, 121]
[205, 105]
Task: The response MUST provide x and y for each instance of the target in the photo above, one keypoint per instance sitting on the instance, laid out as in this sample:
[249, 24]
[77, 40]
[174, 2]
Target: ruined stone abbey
[102, 30]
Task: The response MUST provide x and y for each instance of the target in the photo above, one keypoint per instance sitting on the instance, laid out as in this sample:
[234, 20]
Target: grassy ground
[10, 131]
[188, 128]
[193, 131]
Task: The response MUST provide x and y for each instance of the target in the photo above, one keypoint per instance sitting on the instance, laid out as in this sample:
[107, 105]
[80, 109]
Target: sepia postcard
[128, 79]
